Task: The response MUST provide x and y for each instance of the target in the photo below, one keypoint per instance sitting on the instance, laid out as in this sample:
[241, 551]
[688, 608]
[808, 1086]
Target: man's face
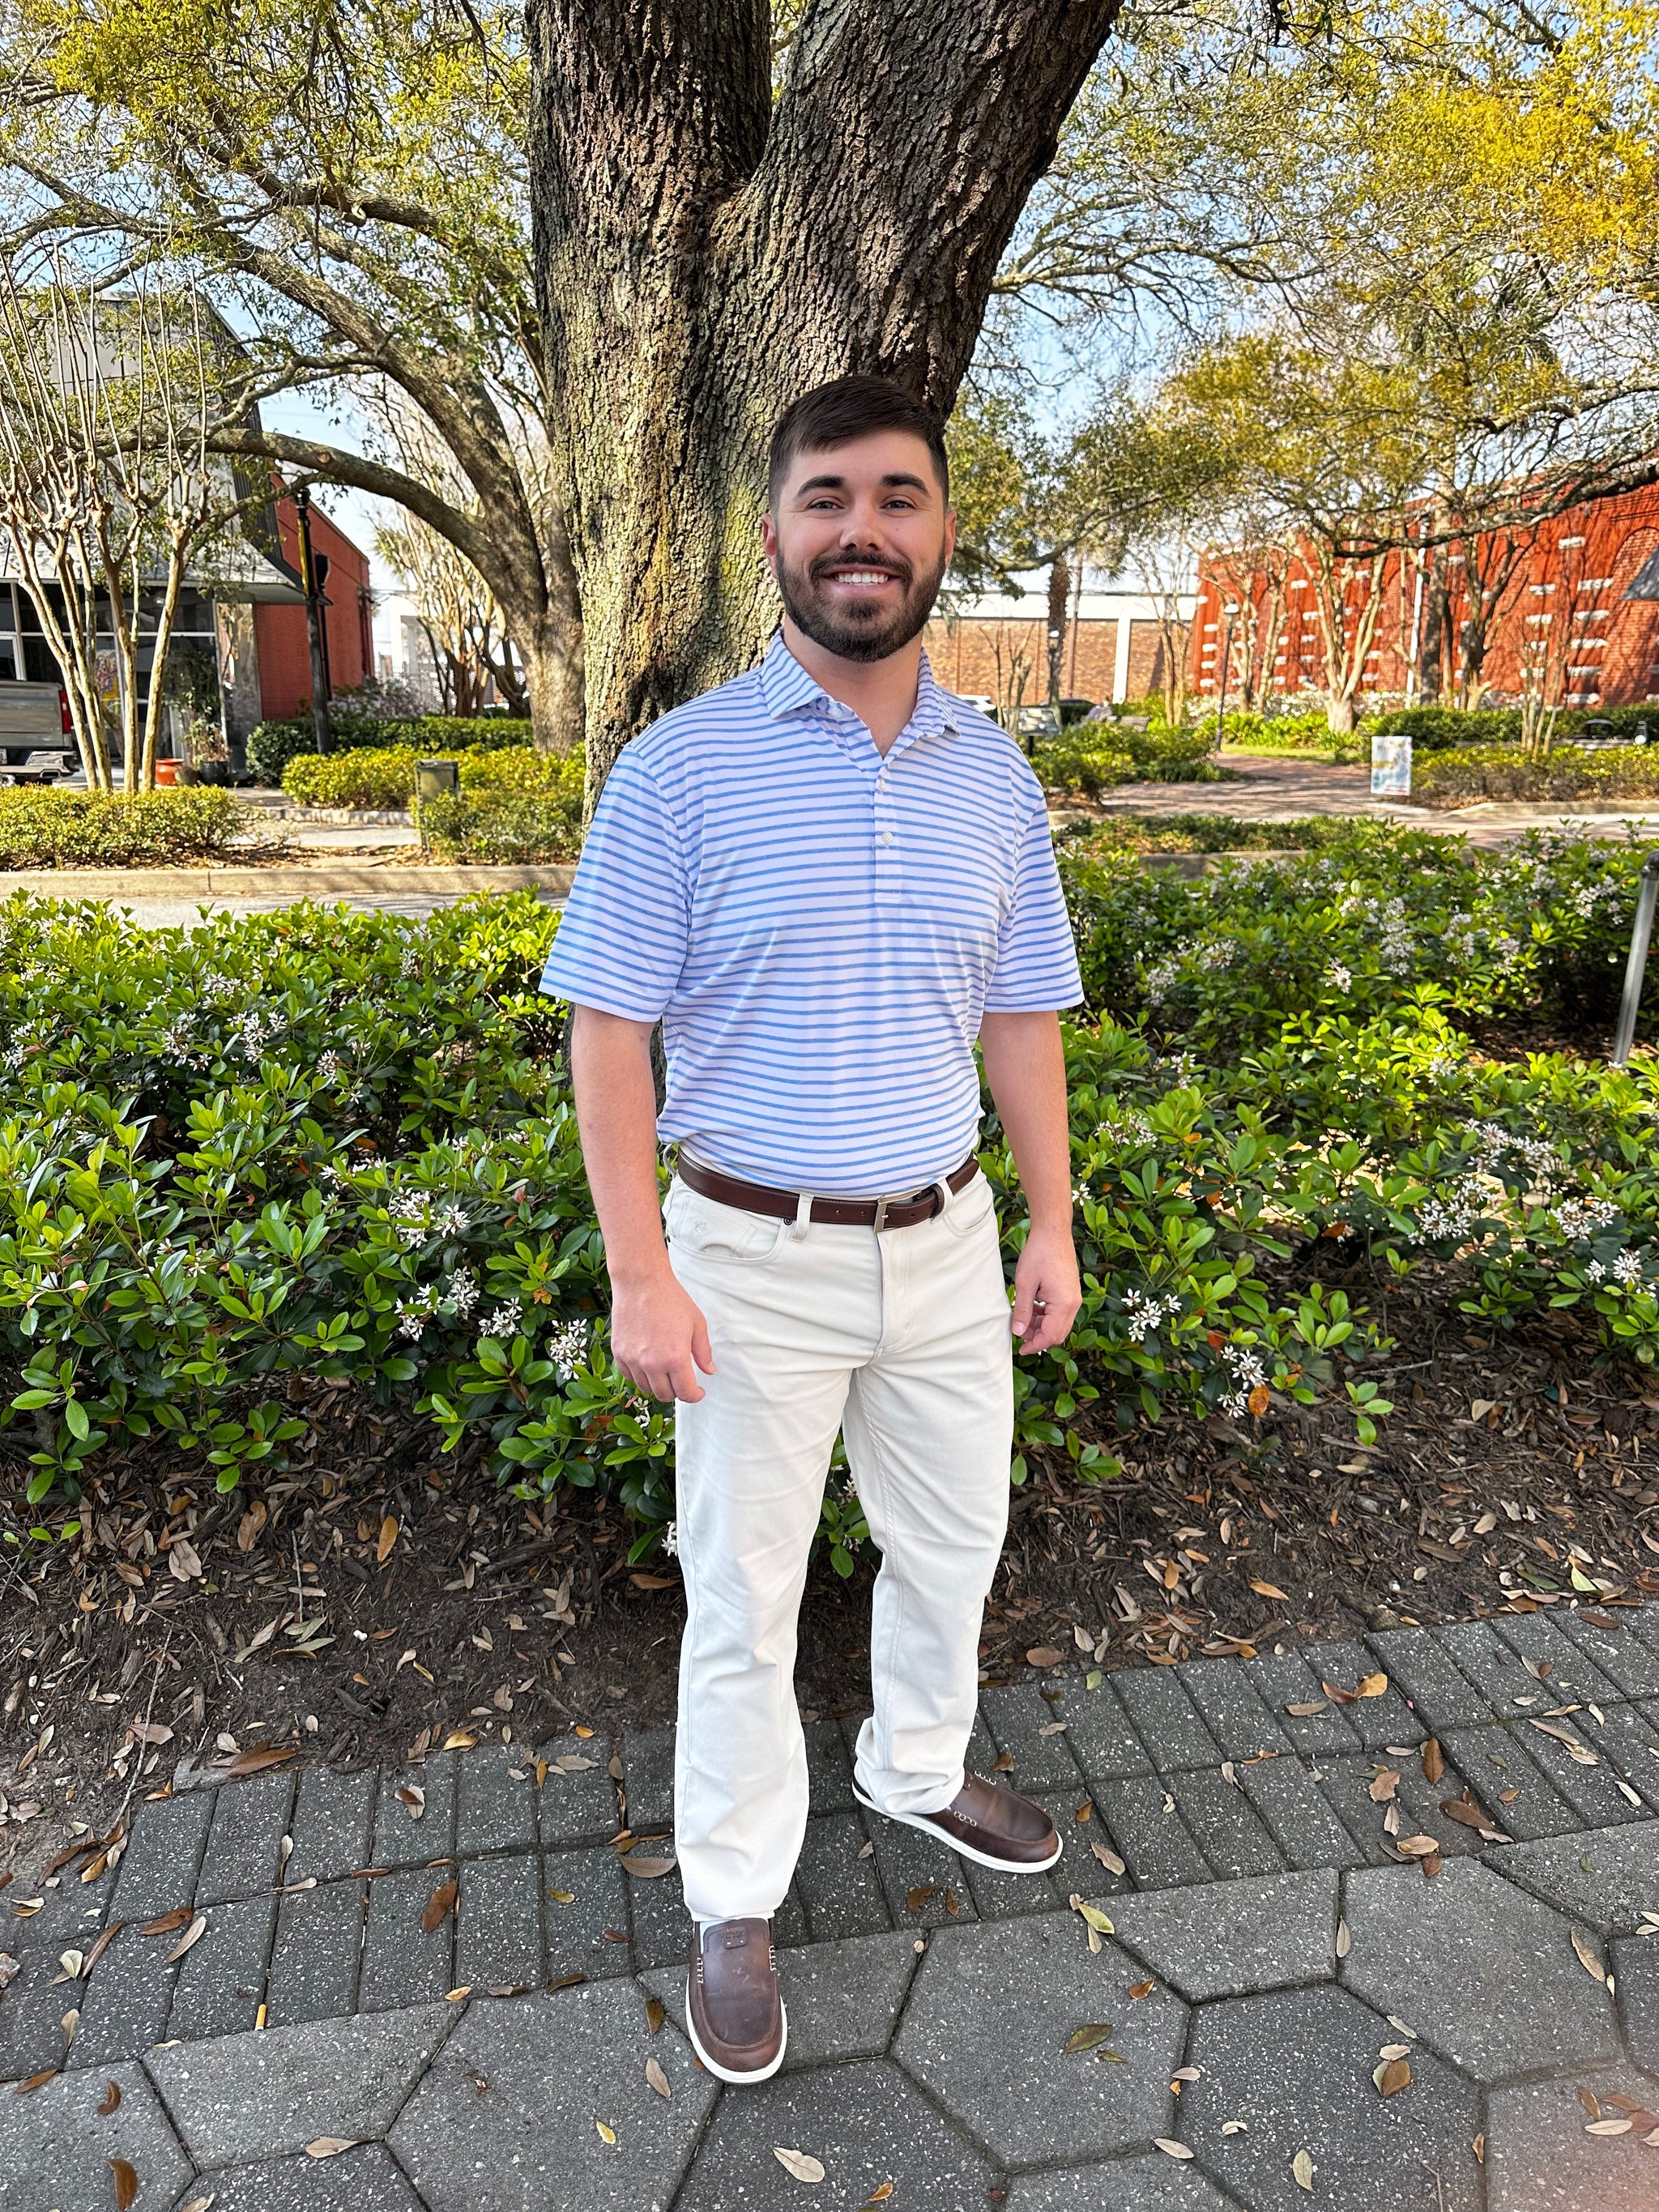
[858, 541]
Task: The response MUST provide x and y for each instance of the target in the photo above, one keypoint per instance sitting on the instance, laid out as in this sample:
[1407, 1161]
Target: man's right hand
[659, 1338]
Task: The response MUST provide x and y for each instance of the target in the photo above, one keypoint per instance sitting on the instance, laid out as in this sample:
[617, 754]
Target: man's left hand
[1047, 1291]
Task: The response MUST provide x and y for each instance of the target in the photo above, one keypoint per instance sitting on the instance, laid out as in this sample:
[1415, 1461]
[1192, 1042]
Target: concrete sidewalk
[453, 1991]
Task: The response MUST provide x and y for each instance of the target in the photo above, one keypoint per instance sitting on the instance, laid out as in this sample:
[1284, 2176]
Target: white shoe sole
[724, 2073]
[965, 1851]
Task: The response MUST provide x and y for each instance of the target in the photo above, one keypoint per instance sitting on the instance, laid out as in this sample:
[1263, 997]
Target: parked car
[1044, 722]
[37, 741]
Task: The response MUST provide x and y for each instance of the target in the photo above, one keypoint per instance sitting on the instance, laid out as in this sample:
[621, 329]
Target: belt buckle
[881, 1215]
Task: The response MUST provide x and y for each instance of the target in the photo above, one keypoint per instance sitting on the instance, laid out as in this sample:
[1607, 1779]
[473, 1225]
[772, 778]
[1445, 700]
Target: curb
[283, 883]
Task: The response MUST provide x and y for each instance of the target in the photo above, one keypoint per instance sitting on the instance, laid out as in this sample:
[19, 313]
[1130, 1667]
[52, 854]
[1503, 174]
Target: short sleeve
[1036, 968]
[622, 940]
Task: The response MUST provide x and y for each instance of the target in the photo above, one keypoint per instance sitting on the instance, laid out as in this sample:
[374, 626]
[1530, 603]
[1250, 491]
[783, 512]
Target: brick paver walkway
[1271, 1951]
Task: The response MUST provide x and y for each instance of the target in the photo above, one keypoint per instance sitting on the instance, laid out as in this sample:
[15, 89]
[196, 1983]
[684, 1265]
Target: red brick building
[1568, 610]
[281, 644]
[1113, 648]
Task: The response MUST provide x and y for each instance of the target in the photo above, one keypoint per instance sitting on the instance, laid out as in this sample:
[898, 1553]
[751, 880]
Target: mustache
[889, 564]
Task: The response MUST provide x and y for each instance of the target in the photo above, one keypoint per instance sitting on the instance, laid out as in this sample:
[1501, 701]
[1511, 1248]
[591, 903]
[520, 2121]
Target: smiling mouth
[861, 580]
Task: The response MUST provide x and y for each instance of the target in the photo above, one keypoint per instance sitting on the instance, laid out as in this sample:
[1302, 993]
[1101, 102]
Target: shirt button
[886, 836]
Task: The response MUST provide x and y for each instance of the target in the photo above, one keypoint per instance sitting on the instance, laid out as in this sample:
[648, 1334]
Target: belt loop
[945, 1196]
[802, 1222]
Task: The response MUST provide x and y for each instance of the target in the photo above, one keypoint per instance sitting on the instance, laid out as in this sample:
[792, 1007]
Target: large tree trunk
[703, 254]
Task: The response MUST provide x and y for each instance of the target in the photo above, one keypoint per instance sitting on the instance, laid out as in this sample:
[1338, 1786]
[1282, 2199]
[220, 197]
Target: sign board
[1391, 768]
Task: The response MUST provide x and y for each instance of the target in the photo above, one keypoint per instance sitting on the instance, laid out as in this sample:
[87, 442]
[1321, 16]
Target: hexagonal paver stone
[1607, 1878]
[1635, 1964]
[1539, 2158]
[1230, 1938]
[986, 2029]
[55, 2147]
[557, 2067]
[840, 1999]
[250, 1819]
[1152, 2182]
[1486, 1975]
[495, 1801]
[245, 2097]
[864, 2123]
[333, 1824]
[158, 1870]
[1296, 2068]
[362, 2180]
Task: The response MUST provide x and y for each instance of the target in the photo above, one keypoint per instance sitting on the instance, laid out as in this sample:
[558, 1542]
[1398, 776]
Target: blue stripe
[820, 932]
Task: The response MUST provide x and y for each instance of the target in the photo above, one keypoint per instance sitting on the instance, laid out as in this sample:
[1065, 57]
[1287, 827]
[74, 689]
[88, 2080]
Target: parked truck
[37, 738]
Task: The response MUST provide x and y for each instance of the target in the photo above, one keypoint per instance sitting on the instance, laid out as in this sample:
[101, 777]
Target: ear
[769, 541]
[949, 535]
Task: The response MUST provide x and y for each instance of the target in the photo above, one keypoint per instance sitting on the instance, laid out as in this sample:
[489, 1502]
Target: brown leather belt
[839, 1213]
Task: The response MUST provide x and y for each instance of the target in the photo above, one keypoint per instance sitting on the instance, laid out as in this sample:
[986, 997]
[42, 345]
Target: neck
[881, 693]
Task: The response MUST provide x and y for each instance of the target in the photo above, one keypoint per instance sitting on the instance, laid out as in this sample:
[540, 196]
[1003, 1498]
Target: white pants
[901, 1341]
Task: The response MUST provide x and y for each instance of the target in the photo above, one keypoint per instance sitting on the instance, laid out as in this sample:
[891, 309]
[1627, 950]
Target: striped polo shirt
[819, 929]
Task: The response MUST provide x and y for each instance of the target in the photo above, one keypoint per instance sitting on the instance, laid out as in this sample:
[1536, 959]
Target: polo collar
[788, 688]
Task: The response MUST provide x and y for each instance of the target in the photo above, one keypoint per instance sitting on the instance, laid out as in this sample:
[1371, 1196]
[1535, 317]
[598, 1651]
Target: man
[826, 878]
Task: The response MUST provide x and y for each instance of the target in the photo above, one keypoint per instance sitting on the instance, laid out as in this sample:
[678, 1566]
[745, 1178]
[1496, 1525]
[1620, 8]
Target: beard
[849, 630]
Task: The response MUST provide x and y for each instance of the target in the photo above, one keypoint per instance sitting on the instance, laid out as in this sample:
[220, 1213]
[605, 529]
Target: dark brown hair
[851, 407]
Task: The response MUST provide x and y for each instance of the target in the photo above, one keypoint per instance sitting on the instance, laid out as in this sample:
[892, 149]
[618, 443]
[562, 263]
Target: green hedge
[43, 828]
[244, 1161]
[272, 745]
[1098, 753]
[384, 775]
[503, 827]
[1565, 773]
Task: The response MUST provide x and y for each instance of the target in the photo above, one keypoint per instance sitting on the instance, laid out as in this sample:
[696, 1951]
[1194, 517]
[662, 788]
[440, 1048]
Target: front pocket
[709, 1230]
[971, 1208]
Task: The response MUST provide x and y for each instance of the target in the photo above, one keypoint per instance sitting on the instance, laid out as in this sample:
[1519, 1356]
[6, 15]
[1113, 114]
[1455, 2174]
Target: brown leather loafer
[732, 2006]
[993, 1827]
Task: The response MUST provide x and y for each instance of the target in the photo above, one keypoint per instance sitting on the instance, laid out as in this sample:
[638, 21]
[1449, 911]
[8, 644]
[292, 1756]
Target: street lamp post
[320, 685]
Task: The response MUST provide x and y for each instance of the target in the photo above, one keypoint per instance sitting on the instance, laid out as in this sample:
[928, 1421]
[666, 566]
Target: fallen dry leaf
[1434, 1761]
[1043, 1654]
[1139, 1989]
[35, 2080]
[651, 1581]
[1384, 1785]
[330, 2146]
[800, 2165]
[1609, 2127]
[193, 1934]
[257, 1762]
[1302, 2171]
[1174, 2149]
[387, 1538]
[438, 1906]
[462, 1739]
[656, 2077]
[1003, 1764]
[1305, 1706]
[1371, 1685]
[1344, 1939]
[124, 2176]
[1108, 1858]
[1586, 1957]
[880, 2193]
[167, 1921]
[110, 2101]
[606, 2134]
[1392, 2076]
[1270, 1590]
[1086, 2038]
[916, 1899]
[655, 2013]
[183, 1565]
[1418, 1847]
[412, 1797]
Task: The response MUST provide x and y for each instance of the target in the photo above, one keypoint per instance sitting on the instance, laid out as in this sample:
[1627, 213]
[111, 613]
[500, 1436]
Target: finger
[1020, 1315]
[701, 1351]
[659, 1381]
[682, 1381]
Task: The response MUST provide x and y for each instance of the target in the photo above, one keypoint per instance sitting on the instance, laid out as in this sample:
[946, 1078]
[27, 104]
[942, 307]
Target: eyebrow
[898, 479]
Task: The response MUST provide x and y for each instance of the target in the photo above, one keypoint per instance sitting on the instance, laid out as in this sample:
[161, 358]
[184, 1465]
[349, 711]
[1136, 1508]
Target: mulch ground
[377, 1598]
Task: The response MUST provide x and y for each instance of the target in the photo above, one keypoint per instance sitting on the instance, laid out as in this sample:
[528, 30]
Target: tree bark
[703, 253]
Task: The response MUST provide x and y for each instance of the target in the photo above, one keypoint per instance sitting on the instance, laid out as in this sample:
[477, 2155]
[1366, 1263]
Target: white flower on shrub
[566, 1347]
[463, 1291]
[1143, 1313]
[671, 1540]
[1162, 980]
[1627, 1269]
[504, 1321]
[410, 1217]
[329, 1067]
[1594, 1270]
[1219, 954]
[1339, 976]
[449, 1219]
[413, 1314]
[1582, 1217]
